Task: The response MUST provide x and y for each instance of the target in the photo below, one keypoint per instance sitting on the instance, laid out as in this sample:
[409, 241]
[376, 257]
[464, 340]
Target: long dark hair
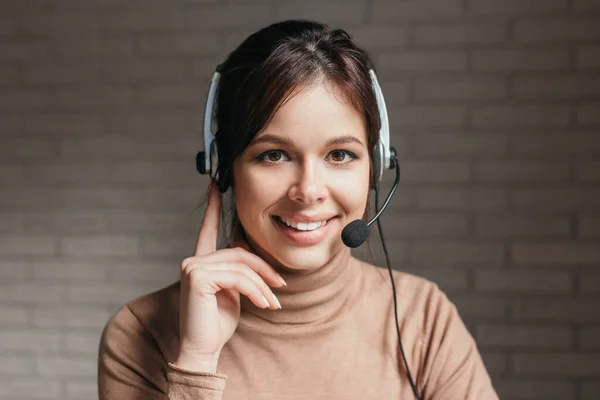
[267, 68]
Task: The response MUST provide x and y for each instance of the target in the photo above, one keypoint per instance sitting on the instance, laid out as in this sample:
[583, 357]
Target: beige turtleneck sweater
[334, 338]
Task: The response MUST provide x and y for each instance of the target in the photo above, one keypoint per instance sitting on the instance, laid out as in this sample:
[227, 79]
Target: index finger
[209, 230]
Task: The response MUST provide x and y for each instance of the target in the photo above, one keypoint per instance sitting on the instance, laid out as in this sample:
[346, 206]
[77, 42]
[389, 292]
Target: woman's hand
[211, 283]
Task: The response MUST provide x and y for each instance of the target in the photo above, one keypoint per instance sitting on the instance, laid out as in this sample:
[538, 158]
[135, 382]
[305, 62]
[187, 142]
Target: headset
[357, 231]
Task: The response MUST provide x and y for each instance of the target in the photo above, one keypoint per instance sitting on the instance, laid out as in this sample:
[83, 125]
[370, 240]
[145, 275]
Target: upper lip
[307, 218]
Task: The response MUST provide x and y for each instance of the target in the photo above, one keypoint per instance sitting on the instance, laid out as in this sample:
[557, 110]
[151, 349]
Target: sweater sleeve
[131, 366]
[452, 366]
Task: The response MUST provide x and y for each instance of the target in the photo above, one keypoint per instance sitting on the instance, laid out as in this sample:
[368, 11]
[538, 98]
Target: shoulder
[151, 319]
[418, 297]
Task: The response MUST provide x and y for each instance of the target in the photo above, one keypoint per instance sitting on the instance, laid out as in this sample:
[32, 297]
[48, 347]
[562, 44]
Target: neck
[311, 296]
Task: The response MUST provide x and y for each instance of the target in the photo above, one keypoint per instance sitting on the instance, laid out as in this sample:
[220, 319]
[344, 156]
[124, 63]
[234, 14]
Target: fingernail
[266, 302]
[277, 301]
[280, 279]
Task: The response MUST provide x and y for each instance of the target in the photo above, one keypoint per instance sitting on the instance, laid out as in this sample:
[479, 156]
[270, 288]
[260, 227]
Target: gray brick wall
[495, 110]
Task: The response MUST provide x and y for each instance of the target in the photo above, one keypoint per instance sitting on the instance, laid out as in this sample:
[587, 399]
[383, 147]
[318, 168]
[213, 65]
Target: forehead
[316, 113]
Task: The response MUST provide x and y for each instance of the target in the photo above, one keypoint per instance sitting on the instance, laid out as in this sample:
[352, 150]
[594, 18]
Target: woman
[285, 311]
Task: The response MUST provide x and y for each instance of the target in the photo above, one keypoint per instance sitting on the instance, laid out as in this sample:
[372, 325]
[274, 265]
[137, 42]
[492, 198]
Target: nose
[309, 186]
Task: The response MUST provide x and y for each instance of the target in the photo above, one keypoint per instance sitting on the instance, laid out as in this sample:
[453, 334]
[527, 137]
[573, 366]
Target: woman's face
[309, 168]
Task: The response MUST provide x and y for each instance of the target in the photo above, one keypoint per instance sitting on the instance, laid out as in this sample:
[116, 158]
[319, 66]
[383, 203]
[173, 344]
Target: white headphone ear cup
[377, 163]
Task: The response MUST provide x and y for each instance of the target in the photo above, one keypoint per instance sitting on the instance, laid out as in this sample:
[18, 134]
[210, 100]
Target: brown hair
[267, 68]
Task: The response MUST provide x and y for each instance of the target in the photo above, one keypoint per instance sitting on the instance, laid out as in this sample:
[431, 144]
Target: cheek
[254, 193]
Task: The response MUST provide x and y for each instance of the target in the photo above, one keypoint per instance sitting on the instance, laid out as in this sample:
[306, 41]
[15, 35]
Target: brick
[68, 271]
[508, 60]
[557, 310]
[92, 47]
[148, 223]
[70, 317]
[98, 149]
[16, 270]
[13, 316]
[26, 149]
[567, 143]
[589, 338]
[589, 282]
[478, 307]
[11, 366]
[524, 336]
[113, 294]
[203, 18]
[146, 124]
[30, 245]
[170, 95]
[24, 100]
[172, 199]
[334, 12]
[426, 117]
[422, 61]
[99, 199]
[66, 173]
[523, 281]
[154, 272]
[588, 57]
[82, 343]
[460, 89]
[92, 97]
[505, 116]
[557, 364]
[28, 340]
[39, 388]
[144, 71]
[56, 73]
[167, 246]
[81, 388]
[520, 171]
[463, 34]
[585, 5]
[522, 225]
[515, 7]
[395, 91]
[495, 362]
[557, 87]
[421, 10]
[545, 200]
[590, 390]
[73, 222]
[98, 245]
[380, 37]
[10, 175]
[78, 23]
[458, 144]
[555, 253]
[472, 198]
[557, 29]
[59, 366]
[29, 200]
[410, 225]
[171, 173]
[23, 50]
[158, 148]
[434, 171]
[589, 225]
[534, 389]
[447, 253]
[59, 124]
[587, 171]
[588, 114]
[10, 223]
[448, 280]
[174, 44]
[31, 293]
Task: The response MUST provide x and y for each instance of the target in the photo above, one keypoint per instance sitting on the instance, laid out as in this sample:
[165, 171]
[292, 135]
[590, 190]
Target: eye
[342, 156]
[272, 156]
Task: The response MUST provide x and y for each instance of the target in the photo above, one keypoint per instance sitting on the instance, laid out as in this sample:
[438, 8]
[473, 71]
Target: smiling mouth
[301, 226]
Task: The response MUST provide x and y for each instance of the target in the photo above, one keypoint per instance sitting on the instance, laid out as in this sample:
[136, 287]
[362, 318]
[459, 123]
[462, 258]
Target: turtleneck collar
[311, 297]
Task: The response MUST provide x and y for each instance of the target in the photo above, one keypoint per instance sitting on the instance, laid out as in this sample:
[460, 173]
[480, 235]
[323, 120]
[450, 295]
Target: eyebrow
[273, 139]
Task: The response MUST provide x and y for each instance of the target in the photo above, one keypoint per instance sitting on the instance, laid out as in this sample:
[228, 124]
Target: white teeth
[303, 226]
